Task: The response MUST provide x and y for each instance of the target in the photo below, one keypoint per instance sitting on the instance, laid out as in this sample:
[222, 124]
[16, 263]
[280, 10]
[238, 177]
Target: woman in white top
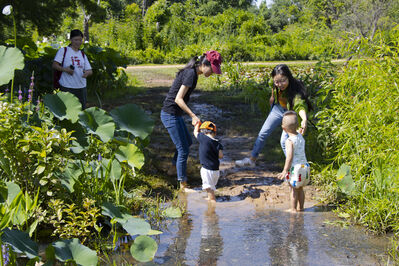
[75, 67]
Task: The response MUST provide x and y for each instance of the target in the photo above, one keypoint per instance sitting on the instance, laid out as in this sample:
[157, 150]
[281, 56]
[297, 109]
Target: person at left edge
[175, 106]
[75, 67]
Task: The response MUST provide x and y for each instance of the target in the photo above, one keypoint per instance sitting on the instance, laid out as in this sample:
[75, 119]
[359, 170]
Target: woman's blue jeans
[273, 120]
[182, 139]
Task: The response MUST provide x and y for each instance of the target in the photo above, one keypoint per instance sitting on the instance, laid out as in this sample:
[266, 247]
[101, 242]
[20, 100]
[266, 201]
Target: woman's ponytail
[194, 62]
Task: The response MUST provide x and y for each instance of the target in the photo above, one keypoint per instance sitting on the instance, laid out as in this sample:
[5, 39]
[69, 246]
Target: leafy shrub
[153, 56]
[47, 159]
[358, 125]
[71, 221]
[31, 156]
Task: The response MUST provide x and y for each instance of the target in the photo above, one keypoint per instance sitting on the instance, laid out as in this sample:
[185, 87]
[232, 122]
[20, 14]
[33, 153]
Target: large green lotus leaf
[79, 133]
[114, 168]
[344, 180]
[10, 60]
[97, 122]
[63, 105]
[71, 249]
[133, 119]
[172, 212]
[20, 242]
[343, 171]
[112, 211]
[144, 248]
[13, 191]
[130, 154]
[70, 175]
[136, 226]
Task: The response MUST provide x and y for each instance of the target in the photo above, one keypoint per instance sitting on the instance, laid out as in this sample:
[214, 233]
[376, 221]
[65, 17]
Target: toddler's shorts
[209, 178]
[298, 175]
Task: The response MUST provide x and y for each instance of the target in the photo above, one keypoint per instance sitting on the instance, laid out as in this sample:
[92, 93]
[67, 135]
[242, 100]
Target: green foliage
[8, 55]
[394, 250]
[63, 106]
[144, 247]
[71, 250]
[168, 34]
[46, 17]
[37, 153]
[173, 212]
[131, 155]
[132, 119]
[72, 221]
[358, 125]
[97, 122]
[107, 74]
[19, 209]
[31, 155]
[344, 180]
[20, 242]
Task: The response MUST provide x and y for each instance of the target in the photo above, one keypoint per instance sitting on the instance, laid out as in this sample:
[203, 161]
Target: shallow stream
[237, 233]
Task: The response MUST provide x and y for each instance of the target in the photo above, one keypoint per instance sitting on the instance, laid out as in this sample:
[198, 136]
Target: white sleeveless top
[299, 150]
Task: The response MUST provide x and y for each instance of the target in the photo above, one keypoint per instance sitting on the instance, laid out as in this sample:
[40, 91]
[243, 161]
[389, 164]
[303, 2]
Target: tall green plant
[358, 125]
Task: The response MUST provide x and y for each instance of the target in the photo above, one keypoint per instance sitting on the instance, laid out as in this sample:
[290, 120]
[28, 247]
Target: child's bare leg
[293, 199]
[211, 195]
[301, 198]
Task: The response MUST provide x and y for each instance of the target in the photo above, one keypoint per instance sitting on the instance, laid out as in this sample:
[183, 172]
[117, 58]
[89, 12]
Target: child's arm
[196, 129]
[289, 149]
[220, 154]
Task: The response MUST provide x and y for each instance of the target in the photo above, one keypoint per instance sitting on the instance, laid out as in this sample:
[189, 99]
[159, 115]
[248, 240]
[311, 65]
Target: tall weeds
[359, 125]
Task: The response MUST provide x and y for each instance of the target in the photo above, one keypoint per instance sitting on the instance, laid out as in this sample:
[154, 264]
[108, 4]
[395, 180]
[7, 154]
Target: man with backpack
[72, 67]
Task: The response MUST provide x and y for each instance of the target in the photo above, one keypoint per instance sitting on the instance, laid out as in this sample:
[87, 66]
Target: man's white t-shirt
[81, 64]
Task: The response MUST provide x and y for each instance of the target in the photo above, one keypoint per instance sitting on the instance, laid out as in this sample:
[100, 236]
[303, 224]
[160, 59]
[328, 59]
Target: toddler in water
[210, 150]
[296, 169]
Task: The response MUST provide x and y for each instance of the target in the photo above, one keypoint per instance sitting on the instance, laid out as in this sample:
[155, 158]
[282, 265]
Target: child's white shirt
[299, 156]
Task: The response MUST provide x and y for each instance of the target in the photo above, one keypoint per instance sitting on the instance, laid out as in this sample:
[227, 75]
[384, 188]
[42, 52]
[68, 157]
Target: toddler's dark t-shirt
[209, 151]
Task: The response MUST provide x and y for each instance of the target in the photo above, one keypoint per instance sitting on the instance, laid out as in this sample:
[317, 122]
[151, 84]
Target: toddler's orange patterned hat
[208, 125]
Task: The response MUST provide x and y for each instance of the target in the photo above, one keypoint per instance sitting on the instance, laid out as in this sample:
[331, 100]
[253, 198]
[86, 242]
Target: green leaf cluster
[358, 125]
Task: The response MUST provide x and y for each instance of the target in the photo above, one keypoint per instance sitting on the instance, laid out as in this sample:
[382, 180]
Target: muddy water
[238, 233]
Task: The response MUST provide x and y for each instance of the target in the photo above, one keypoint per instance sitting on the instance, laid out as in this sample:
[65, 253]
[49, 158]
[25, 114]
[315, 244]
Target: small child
[210, 150]
[296, 169]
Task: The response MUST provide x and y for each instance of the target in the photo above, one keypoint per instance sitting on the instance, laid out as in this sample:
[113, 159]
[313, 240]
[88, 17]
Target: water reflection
[235, 233]
[296, 243]
[289, 240]
[176, 252]
[211, 247]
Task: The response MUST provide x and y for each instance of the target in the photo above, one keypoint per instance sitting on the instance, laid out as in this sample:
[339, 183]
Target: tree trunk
[86, 27]
[86, 19]
[144, 7]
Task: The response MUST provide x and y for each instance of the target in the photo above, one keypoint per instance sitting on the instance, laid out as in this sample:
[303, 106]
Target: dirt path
[238, 125]
[305, 62]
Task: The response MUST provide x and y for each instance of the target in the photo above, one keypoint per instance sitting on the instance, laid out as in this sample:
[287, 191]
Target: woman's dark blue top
[187, 77]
